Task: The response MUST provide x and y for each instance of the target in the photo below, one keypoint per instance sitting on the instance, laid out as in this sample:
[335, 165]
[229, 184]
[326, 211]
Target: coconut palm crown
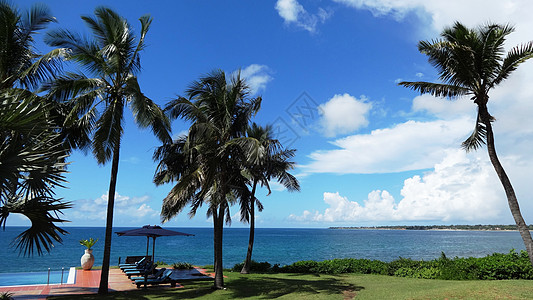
[112, 58]
[206, 163]
[273, 163]
[471, 62]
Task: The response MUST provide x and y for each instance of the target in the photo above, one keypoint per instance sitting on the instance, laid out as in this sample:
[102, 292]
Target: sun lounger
[149, 269]
[165, 278]
[133, 259]
[140, 266]
[151, 276]
[134, 265]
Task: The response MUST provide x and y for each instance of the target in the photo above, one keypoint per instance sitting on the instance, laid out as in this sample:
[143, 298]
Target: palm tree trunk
[218, 220]
[509, 191]
[104, 277]
[248, 261]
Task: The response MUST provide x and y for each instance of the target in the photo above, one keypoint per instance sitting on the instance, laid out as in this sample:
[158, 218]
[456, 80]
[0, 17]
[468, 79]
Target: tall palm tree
[112, 56]
[273, 163]
[33, 145]
[206, 163]
[471, 62]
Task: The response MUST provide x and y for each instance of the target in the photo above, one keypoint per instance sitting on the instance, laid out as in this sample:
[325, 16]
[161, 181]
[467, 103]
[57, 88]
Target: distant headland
[439, 227]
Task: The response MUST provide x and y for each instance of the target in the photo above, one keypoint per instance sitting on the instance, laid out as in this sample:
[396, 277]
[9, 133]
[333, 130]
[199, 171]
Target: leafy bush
[304, 266]
[182, 266]
[505, 266]
[496, 266]
[88, 243]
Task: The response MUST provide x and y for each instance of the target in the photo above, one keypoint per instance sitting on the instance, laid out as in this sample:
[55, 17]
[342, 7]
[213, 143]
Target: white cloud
[444, 13]
[129, 208]
[455, 191]
[257, 77]
[408, 146]
[344, 114]
[294, 13]
[289, 10]
[444, 108]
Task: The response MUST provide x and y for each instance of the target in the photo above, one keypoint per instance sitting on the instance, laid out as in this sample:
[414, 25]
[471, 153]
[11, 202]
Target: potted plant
[87, 260]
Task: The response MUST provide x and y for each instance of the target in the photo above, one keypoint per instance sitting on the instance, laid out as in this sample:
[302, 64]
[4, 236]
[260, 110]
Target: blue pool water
[32, 278]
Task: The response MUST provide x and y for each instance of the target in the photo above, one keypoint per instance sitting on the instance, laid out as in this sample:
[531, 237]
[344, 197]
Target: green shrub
[88, 243]
[459, 269]
[495, 266]
[505, 266]
[182, 266]
[304, 266]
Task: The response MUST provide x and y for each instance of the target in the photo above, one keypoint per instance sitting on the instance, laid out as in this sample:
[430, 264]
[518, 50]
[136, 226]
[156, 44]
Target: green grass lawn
[345, 286]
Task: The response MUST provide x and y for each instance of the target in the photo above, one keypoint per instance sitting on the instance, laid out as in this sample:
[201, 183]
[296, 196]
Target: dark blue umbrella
[151, 232]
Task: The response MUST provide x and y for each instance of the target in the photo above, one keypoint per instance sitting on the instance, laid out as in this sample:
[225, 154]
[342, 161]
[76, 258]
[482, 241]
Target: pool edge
[71, 279]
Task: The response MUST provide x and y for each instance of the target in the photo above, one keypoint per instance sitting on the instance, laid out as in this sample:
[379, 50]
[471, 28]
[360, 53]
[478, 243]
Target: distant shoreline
[438, 227]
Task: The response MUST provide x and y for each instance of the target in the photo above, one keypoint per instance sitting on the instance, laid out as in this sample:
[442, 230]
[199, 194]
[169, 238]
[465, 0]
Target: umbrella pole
[153, 249]
[147, 244]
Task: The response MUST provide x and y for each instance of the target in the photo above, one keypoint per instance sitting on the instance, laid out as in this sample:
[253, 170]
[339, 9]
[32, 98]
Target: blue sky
[369, 152]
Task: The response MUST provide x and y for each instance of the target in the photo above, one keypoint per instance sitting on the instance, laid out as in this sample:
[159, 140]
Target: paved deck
[87, 282]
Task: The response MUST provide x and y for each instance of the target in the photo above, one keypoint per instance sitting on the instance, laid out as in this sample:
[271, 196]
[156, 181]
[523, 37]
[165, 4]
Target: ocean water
[275, 245]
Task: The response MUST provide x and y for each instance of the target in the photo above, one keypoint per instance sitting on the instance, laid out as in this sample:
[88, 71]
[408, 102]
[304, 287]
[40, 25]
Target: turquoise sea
[275, 245]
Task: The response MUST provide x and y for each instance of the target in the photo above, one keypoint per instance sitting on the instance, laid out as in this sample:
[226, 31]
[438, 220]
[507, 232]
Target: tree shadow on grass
[269, 287]
[190, 290]
[265, 286]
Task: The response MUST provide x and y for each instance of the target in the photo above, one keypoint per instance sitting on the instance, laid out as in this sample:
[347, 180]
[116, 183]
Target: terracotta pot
[87, 260]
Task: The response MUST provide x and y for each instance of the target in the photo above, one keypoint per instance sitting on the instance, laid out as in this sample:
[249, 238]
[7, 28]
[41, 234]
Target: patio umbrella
[150, 232]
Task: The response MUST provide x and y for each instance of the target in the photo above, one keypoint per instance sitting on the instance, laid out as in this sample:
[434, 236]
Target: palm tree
[471, 62]
[32, 159]
[113, 58]
[206, 163]
[273, 163]
[33, 146]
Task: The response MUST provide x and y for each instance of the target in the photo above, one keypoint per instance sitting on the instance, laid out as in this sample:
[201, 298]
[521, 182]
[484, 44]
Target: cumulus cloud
[294, 13]
[407, 146]
[443, 108]
[257, 77]
[458, 187]
[344, 114]
[444, 13]
[125, 207]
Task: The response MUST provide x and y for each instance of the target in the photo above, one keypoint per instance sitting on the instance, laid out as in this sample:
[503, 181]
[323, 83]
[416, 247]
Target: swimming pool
[68, 276]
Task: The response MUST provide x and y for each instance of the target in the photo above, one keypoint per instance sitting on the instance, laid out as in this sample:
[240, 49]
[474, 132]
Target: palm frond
[516, 56]
[436, 89]
[43, 214]
[146, 112]
[108, 131]
[478, 137]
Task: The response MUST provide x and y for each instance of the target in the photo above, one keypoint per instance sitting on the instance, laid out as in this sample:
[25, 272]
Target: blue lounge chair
[165, 278]
[148, 269]
[151, 276]
[145, 264]
[135, 265]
